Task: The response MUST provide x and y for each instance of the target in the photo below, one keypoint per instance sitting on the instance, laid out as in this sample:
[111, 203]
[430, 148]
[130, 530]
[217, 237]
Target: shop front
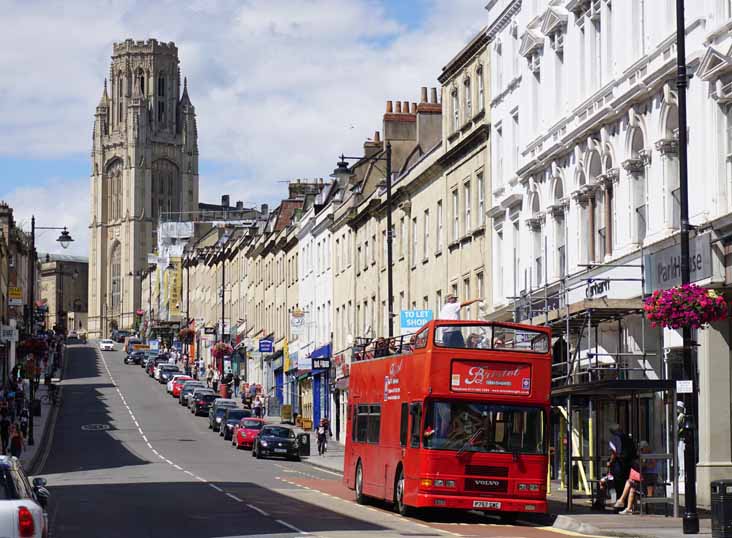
[320, 369]
[339, 405]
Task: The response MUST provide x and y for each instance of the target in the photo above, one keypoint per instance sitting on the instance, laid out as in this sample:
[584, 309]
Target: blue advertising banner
[412, 320]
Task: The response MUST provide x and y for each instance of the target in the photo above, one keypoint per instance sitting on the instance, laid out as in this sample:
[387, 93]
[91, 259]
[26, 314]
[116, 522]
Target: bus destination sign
[491, 377]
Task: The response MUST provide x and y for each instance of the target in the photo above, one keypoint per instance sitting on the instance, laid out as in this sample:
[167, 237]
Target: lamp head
[65, 238]
[341, 173]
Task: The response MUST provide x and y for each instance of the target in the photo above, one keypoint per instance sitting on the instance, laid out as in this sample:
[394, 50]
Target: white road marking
[291, 527]
[258, 509]
[232, 496]
[178, 467]
[201, 479]
[216, 488]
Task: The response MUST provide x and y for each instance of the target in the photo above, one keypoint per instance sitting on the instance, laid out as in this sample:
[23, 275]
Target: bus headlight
[450, 483]
[439, 483]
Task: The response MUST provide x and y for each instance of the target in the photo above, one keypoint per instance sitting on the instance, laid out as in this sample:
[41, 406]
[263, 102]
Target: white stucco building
[585, 189]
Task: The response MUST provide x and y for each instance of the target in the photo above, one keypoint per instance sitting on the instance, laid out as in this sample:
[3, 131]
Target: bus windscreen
[483, 427]
[496, 337]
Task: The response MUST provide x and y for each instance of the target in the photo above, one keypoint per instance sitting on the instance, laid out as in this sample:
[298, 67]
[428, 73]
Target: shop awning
[323, 352]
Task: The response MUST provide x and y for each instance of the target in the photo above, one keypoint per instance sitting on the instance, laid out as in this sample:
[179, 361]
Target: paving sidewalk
[31, 456]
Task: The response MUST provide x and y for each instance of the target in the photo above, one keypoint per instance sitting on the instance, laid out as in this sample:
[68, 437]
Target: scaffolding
[587, 378]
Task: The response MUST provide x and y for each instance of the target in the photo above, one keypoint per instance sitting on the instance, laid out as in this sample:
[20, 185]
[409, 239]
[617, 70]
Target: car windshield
[208, 397]
[188, 386]
[236, 414]
[251, 424]
[221, 411]
[278, 432]
[484, 427]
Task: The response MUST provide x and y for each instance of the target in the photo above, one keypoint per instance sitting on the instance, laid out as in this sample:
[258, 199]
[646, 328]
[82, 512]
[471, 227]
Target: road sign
[15, 296]
[266, 346]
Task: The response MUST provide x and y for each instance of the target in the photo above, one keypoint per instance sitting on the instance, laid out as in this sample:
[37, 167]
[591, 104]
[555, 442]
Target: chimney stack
[265, 210]
[423, 94]
[240, 205]
[405, 107]
[413, 110]
[389, 107]
[377, 137]
[433, 95]
[225, 200]
[398, 107]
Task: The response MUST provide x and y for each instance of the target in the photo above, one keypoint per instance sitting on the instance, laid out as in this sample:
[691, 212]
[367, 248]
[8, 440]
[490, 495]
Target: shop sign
[663, 268]
[297, 322]
[15, 296]
[413, 320]
[491, 377]
[277, 364]
[266, 346]
[8, 333]
[209, 330]
[320, 363]
[619, 282]
[303, 361]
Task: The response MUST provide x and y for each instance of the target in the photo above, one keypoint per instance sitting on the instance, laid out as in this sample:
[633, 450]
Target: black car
[276, 441]
[200, 403]
[136, 357]
[187, 390]
[232, 416]
[216, 415]
[167, 372]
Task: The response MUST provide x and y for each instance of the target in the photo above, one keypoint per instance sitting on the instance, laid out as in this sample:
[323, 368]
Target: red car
[178, 385]
[246, 431]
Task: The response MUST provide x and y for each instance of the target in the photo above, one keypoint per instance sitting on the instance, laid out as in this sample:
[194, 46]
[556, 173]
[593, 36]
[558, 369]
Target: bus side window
[374, 424]
[362, 421]
[415, 410]
[404, 425]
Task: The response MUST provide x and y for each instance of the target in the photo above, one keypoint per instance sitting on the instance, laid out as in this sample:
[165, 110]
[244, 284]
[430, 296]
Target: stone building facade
[64, 289]
[144, 166]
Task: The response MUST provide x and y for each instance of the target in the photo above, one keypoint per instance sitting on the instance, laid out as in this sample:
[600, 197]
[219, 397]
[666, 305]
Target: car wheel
[360, 497]
[253, 453]
[258, 454]
[399, 505]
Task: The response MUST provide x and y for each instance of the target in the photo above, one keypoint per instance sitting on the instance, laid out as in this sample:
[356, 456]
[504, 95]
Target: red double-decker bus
[456, 419]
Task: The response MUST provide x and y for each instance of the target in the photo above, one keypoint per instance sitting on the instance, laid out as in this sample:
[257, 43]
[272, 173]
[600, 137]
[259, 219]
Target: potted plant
[688, 305]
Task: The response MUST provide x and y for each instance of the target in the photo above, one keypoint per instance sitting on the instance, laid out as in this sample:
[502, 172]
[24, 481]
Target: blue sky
[280, 87]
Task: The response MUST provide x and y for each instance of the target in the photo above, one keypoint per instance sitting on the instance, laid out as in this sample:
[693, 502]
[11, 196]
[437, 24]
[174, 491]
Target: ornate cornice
[535, 222]
[633, 166]
[503, 20]
[667, 146]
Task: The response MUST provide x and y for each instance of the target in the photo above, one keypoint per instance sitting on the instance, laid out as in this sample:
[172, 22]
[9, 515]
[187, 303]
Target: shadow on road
[188, 509]
[84, 433]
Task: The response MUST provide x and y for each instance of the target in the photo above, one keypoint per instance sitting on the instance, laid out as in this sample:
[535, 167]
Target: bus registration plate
[487, 504]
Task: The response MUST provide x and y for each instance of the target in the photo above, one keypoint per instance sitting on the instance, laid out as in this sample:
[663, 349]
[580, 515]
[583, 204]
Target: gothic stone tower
[144, 165]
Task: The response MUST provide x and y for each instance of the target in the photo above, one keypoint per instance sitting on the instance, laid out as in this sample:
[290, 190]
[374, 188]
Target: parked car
[154, 364]
[232, 416]
[178, 385]
[187, 389]
[196, 401]
[167, 372]
[173, 379]
[106, 345]
[135, 357]
[22, 503]
[120, 336]
[276, 441]
[216, 413]
[246, 431]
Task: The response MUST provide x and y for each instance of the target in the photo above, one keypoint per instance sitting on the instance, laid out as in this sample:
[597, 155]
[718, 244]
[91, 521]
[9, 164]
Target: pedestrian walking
[236, 383]
[209, 377]
[4, 432]
[215, 380]
[257, 406]
[17, 443]
[323, 433]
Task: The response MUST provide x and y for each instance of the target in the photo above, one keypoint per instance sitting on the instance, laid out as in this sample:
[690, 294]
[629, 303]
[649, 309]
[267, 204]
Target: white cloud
[280, 87]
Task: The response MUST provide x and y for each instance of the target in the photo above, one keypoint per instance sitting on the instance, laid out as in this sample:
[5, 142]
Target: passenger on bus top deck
[475, 340]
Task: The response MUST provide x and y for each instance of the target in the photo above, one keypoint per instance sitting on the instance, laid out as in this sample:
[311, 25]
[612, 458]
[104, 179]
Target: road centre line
[258, 509]
[291, 527]
[232, 496]
[216, 488]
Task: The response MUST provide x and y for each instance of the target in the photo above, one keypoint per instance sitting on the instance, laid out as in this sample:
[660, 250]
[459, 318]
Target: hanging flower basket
[32, 345]
[685, 306]
[221, 349]
[186, 335]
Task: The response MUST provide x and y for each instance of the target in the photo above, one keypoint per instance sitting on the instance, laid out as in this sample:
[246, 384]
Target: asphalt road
[126, 460]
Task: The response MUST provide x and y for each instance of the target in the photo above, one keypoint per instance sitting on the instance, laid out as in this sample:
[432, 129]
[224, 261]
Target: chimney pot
[398, 107]
[423, 94]
[433, 95]
[225, 200]
[377, 136]
[389, 107]
[265, 209]
[405, 107]
[413, 110]
[240, 205]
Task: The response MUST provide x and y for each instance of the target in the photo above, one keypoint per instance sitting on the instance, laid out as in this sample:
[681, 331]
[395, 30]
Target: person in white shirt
[453, 337]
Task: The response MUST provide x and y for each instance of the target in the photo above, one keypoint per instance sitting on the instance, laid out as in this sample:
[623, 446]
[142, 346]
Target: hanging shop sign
[663, 268]
[297, 322]
[413, 320]
[617, 282]
[266, 346]
[15, 296]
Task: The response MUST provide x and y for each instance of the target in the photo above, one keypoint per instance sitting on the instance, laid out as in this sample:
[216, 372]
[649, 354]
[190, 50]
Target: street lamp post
[691, 518]
[343, 172]
[64, 239]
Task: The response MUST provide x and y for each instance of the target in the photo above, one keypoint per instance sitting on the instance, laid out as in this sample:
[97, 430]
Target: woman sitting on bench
[646, 477]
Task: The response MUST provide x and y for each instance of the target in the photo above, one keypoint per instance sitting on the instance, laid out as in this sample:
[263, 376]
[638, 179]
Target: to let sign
[663, 268]
[491, 377]
[413, 320]
[15, 296]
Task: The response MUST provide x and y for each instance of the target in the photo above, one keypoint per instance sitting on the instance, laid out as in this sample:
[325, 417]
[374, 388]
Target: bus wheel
[360, 497]
[402, 508]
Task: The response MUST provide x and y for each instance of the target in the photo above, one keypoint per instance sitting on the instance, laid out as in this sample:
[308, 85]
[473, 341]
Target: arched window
[611, 217]
[559, 229]
[165, 174]
[596, 208]
[140, 81]
[112, 190]
[120, 94]
[638, 178]
[161, 85]
[115, 280]
[468, 99]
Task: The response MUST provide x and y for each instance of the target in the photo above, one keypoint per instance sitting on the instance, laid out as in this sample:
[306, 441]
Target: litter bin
[303, 441]
[36, 408]
[722, 509]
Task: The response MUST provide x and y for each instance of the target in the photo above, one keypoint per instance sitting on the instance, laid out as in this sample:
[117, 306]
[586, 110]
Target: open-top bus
[456, 419]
